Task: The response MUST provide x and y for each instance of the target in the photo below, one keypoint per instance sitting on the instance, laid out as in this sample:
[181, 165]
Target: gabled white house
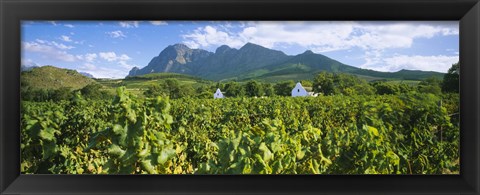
[218, 94]
[298, 90]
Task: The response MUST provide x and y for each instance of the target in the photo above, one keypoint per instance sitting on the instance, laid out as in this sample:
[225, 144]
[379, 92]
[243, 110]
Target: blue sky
[109, 49]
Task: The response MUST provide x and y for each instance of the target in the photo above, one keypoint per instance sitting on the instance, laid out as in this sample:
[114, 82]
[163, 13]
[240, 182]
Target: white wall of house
[218, 94]
[298, 90]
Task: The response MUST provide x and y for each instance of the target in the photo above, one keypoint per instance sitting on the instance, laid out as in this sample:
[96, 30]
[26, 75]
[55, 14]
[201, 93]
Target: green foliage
[323, 83]
[430, 85]
[345, 84]
[204, 92]
[170, 88]
[389, 88]
[284, 88]
[42, 95]
[411, 133]
[233, 89]
[307, 83]
[451, 82]
[268, 89]
[253, 89]
[136, 139]
[95, 91]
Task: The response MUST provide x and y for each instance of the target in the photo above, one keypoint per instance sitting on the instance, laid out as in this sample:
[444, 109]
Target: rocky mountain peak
[222, 49]
[308, 52]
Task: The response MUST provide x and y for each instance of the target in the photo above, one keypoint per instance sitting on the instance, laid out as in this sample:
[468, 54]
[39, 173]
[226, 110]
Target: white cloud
[109, 56]
[55, 44]
[158, 23]
[112, 56]
[107, 70]
[129, 24]
[124, 57]
[66, 38]
[102, 72]
[90, 57]
[28, 62]
[204, 37]
[438, 63]
[79, 42]
[40, 41]
[69, 25]
[120, 59]
[116, 34]
[61, 46]
[48, 51]
[53, 23]
[321, 36]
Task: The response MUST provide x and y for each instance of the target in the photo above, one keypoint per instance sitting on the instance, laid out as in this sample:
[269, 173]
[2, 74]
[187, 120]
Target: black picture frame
[465, 11]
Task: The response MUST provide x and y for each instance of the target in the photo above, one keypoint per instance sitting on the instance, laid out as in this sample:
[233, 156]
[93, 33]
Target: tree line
[324, 83]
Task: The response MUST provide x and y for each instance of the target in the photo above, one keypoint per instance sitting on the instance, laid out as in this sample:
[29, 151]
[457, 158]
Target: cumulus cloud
[61, 46]
[69, 25]
[129, 24]
[66, 38]
[121, 60]
[439, 63]
[28, 62]
[206, 36]
[102, 72]
[48, 51]
[320, 36]
[90, 57]
[120, 70]
[112, 56]
[116, 34]
[55, 44]
[158, 23]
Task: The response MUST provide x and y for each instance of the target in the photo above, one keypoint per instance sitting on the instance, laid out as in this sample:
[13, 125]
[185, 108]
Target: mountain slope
[256, 62]
[228, 62]
[174, 58]
[49, 77]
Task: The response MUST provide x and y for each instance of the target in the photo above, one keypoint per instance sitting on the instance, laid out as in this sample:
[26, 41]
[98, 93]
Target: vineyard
[411, 133]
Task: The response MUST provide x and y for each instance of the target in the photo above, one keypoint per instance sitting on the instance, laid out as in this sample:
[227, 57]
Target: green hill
[49, 77]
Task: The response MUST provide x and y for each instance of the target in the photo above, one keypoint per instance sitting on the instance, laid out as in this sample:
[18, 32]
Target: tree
[323, 83]
[93, 91]
[385, 88]
[284, 88]
[155, 90]
[173, 87]
[346, 84]
[204, 92]
[306, 83]
[186, 91]
[63, 93]
[233, 89]
[430, 85]
[253, 88]
[268, 89]
[451, 81]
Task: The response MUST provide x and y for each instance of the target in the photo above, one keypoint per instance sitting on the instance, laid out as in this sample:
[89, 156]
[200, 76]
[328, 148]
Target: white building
[298, 90]
[218, 94]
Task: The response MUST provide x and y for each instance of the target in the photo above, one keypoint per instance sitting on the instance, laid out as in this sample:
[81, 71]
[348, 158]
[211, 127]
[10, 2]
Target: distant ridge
[253, 61]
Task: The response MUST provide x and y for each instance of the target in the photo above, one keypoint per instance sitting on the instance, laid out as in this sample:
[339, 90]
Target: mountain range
[253, 61]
